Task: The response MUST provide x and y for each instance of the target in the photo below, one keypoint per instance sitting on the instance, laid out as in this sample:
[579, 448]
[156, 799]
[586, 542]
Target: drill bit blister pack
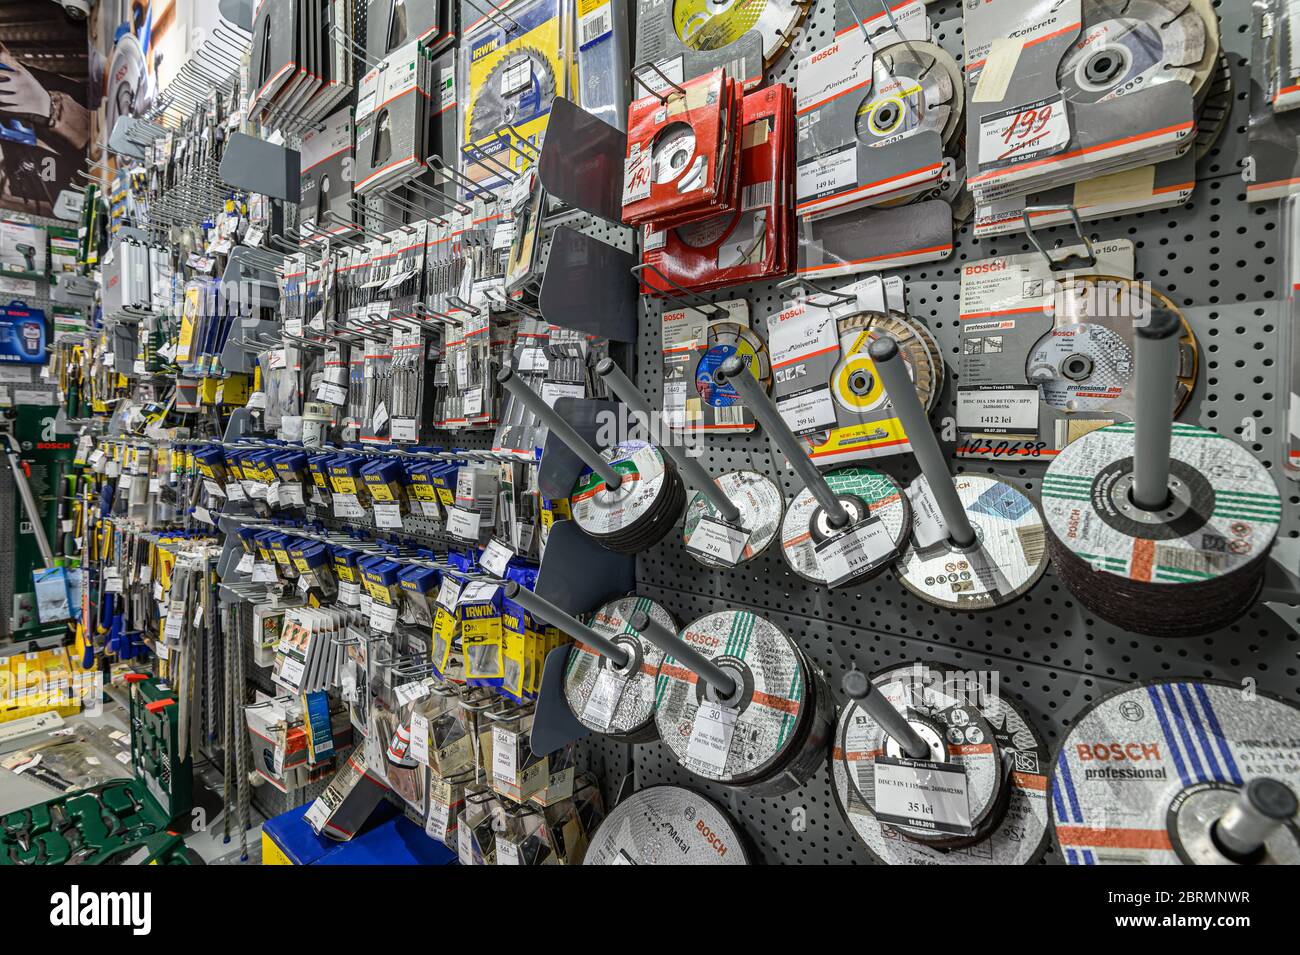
[512, 66]
[1273, 167]
[1083, 88]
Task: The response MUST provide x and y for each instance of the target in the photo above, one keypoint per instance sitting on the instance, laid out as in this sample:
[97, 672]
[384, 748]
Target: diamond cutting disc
[1147, 770]
[1188, 568]
[724, 340]
[1014, 835]
[1128, 46]
[958, 733]
[667, 825]
[617, 701]
[1007, 559]
[856, 388]
[672, 151]
[767, 716]
[761, 506]
[621, 516]
[519, 86]
[805, 524]
[1215, 110]
[713, 24]
[916, 87]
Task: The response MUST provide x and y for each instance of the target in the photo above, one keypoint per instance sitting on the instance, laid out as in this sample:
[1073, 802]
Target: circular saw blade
[714, 24]
[912, 90]
[507, 97]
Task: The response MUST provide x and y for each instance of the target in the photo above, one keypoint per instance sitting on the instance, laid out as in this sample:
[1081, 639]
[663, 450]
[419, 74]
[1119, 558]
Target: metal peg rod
[925, 446]
[734, 371]
[682, 651]
[691, 467]
[858, 688]
[545, 610]
[1263, 806]
[1157, 369]
[563, 430]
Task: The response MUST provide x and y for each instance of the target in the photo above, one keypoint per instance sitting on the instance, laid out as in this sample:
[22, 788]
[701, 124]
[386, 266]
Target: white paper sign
[713, 538]
[855, 551]
[711, 738]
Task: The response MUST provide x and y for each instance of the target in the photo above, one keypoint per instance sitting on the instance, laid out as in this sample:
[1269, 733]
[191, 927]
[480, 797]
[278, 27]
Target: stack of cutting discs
[667, 825]
[1189, 568]
[618, 701]
[760, 504]
[1014, 833]
[642, 510]
[715, 24]
[1007, 558]
[771, 735]
[869, 497]
[963, 753]
[1148, 770]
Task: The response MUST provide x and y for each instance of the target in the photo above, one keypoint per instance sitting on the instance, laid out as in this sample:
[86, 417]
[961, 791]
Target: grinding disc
[1131, 46]
[1146, 770]
[641, 510]
[1189, 568]
[666, 825]
[1006, 561]
[805, 525]
[1016, 835]
[959, 736]
[714, 24]
[761, 506]
[617, 701]
[768, 713]
[856, 388]
[1212, 117]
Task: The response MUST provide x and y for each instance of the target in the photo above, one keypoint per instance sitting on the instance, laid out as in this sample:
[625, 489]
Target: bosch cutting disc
[641, 510]
[1128, 46]
[617, 701]
[916, 87]
[1147, 771]
[1188, 568]
[714, 24]
[868, 496]
[667, 825]
[761, 506]
[518, 87]
[673, 150]
[771, 734]
[724, 340]
[961, 740]
[1007, 558]
[1013, 834]
[856, 388]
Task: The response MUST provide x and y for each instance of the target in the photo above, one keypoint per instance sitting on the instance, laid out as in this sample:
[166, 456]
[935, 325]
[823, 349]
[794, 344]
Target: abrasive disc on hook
[667, 825]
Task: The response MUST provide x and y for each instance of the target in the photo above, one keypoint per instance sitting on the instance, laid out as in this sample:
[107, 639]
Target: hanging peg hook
[562, 429]
[808, 286]
[705, 306]
[1069, 262]
[661, 97]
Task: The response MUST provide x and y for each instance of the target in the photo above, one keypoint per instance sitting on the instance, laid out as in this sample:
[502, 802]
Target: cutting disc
[769, 717]
[128, 81]
[724, 340]
[862, 489]
[646, 503]
[1146, 771]
[958, 732]
[1216, 108]
[713, 24]
[672, 152]
[667, 825]
[1015, 834]
[1007, 559]
[1186, 569]
[617, 701]
[1128, 46]
[519, 86]
[760, 503]
[916, 87]
[856, 388]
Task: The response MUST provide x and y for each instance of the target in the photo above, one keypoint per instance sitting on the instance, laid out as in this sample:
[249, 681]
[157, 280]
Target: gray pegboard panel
[1216, 257]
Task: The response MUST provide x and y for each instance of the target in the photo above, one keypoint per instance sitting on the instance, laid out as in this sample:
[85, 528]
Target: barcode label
[756, 196]
[733, 415]
[596, 27]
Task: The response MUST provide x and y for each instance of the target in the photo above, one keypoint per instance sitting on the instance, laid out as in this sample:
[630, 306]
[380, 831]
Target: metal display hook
[722, 682]
[429, 193]
[858, 687]
[482, 157]
[474, 189]
[1069, 262]
[808, 286]
[545, 610]
[495, 12]
[705, 306]
[661, 97]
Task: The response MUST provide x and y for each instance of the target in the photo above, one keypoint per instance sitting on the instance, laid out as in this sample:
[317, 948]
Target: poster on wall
[45, 112]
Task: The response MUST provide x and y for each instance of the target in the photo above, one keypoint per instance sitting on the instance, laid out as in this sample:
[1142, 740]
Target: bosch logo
[1117, 752]
[817, 57]
[997, 265]
[710, 837]
[701, 639]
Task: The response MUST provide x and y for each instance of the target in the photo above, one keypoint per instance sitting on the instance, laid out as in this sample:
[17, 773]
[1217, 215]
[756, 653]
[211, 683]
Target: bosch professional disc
[761, 506]
[868, 496]
[916, 87]
[1189, 568]
[667, 825]
[724, 340]
[1015, 834]
[605, 698]
[1007, 558]
[771, 734]
[642, 510]
[1147, 773]
[854, 384]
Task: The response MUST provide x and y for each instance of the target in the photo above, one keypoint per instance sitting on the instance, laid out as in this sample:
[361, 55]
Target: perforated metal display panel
[1217, 258]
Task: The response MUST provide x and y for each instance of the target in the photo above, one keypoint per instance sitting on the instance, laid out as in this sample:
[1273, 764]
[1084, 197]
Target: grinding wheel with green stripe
[1188, 568]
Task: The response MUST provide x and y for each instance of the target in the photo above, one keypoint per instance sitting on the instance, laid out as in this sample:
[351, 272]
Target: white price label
[637, 170]
[604, 699]
[809, 412]
[713, 538]
[448, 592]
[505, 755]
[854, 552]
[928, 525]
[463, 524]
[419, 739]
[382, 617]
[1024, 132]
[827, 175]
[388, 514]
[406, 430]
[496, 557]
[711, 738]
[922, 795]
[998, 410]
[347, 506]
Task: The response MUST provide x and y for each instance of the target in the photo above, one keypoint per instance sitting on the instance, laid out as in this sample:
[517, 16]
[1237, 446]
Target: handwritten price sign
[636, 176]
[1025, 132]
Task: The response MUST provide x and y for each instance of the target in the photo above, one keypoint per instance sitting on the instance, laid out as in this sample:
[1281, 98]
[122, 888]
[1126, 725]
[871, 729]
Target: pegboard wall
[1217, 259]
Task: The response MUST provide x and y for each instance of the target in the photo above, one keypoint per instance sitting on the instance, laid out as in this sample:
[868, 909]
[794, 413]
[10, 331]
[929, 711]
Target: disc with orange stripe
[760, 503]
[1015, 832]
[617, 701]
[1149, 772]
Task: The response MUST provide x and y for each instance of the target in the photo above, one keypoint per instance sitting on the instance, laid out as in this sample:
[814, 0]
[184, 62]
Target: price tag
[636, 175]
[406, 430]
[718, 540]
[505, 755]
[419, 739]
[808, 412]
[922, 795]
[245, 564]
[349, 593]
[496, 557]
[234, 490]
[347, 505]
[603, 702]
[711, 738]
[291, 494]
[388, 514]
[473, 403]
[507, 853]
[411, 692]
[382, 617]
[928, 525]
[334, 394]
[464, 845]
[998, 410]
[264, 572]
[463, 524]
[1024, 132]
[855, 551]
[827, 175]
[380, 418]
[449, 592]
